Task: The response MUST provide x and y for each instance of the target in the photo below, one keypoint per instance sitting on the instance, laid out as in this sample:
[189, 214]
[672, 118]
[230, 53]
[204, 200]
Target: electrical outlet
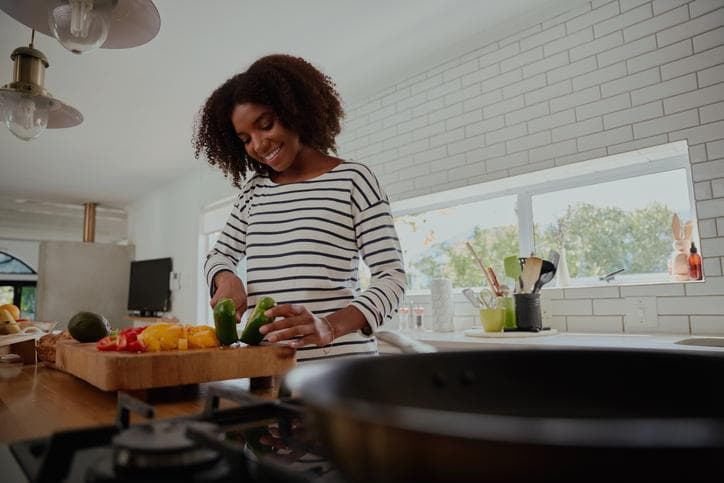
[640, 313]
[175, 281]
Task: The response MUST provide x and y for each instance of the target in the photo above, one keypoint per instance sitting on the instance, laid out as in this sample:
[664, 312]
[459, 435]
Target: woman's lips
[272, 155]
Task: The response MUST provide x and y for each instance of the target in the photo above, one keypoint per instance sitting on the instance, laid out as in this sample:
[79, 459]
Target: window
[604, 215]
[621, 224]
[433, 242]
[17, 284]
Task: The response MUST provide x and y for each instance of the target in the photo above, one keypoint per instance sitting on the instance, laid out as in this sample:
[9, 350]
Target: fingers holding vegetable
[298, 324]
[228, 285]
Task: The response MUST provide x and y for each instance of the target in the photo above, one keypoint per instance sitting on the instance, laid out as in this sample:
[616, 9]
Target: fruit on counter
[13, 309]
[7, 323]
[251, 334]
[88, 327]
[225, 321]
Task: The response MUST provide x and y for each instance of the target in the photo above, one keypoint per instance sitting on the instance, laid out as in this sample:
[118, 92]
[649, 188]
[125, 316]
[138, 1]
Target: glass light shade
[25, 116]
[81, 25]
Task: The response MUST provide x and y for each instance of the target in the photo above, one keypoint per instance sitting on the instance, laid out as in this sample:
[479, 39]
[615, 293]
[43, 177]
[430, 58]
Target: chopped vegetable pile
[159, 337]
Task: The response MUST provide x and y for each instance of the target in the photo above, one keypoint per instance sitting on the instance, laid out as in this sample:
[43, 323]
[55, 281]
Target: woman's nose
[259, 144]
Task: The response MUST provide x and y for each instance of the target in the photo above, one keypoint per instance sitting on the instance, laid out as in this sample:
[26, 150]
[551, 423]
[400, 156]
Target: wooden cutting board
[114, 371]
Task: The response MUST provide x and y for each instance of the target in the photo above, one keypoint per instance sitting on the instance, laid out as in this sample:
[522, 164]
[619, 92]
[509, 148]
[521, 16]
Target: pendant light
[26, 108]
[85, 25]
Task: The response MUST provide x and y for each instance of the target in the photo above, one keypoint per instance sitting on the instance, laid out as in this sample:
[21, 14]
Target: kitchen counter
[41, 400]
[459, 341]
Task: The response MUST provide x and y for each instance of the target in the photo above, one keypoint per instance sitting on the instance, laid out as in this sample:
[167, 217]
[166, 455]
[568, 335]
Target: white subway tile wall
[604, 78]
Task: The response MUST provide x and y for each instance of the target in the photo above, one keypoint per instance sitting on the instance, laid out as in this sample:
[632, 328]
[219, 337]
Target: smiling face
[265, 138]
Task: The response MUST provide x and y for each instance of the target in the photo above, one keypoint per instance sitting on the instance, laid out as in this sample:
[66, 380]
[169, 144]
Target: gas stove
[254, 440]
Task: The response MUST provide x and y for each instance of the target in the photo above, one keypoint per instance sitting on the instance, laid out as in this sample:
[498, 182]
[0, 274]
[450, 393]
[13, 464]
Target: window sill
[582, 284]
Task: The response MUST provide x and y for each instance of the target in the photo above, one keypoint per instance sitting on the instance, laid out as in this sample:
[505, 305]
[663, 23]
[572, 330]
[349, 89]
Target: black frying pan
[521, 415]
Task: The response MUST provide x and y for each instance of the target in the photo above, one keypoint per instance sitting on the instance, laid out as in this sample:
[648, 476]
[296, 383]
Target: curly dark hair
[304, 100]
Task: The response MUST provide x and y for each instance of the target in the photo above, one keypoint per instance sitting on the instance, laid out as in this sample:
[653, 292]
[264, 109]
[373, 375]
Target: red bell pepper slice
[114, 342]
[135, 346]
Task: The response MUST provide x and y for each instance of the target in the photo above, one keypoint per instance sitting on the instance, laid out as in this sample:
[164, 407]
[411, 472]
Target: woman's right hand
[228, 285]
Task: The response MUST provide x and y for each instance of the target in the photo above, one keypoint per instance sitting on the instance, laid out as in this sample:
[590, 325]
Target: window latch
[610, 276]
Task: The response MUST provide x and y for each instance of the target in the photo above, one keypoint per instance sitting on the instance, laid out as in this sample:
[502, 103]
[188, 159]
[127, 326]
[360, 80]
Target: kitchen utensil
[546, 266]
[487, 298]
[509, 415]
[531, 272]
[111, 371]
[472, 298]
[482, 266]
[548, 270]
[496, 284]
[554, 257]
[512, 269]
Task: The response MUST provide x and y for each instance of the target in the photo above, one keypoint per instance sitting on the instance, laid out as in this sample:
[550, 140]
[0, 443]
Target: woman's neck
[309, 163]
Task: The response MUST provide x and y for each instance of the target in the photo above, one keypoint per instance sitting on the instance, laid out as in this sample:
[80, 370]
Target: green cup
[507, 304]
[493, 320]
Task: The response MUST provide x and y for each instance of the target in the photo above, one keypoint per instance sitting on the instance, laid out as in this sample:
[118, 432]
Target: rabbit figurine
[679, 263]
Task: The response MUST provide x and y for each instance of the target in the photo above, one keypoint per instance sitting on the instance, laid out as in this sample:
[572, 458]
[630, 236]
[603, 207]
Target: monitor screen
[149, 290]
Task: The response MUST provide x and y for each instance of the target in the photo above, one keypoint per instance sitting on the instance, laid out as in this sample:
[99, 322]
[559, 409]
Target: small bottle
[404, 318]
[419, 312]
[694, 264]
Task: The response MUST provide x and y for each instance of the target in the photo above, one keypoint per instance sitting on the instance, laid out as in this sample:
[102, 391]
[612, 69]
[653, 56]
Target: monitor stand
[148, 313]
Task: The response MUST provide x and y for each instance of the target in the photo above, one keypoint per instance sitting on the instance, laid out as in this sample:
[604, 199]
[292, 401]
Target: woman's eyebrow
[262, 117]
[257, 122]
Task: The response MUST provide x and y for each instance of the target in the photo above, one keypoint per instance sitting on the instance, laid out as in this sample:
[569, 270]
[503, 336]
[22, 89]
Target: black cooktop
[255, 440]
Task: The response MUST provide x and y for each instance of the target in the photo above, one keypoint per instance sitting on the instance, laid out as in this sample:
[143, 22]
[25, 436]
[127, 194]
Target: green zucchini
[251, 334]
[225, 321]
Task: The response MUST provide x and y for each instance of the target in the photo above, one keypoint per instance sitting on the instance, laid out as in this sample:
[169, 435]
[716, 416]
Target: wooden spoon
[531, 272]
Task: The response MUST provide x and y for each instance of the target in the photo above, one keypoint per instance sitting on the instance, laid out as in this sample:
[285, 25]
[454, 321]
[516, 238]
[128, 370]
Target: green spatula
[512, 269]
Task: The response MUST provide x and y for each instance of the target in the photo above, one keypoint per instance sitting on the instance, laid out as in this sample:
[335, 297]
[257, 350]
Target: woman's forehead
[247, 113]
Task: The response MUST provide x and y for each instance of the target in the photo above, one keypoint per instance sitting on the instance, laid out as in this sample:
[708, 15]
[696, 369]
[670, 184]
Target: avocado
[88, 327]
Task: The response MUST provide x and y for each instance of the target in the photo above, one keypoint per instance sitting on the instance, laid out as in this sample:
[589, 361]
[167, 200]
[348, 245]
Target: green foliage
[452, 259]
[27, 302]
[598, 240]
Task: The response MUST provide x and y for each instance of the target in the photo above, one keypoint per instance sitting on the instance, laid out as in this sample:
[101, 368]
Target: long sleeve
[379, 247]
[230, 248]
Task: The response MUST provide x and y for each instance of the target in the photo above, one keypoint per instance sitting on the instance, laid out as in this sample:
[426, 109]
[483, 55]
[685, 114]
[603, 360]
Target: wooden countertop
[42, 400]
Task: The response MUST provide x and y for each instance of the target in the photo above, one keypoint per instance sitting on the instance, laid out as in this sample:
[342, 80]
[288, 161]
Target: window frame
[19, 280]
[657, 159]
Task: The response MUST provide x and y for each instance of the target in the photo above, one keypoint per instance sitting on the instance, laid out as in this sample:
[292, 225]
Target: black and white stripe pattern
[303, 242]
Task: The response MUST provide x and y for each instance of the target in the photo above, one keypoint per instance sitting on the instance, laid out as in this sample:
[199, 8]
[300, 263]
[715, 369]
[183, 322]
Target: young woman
[304, 218]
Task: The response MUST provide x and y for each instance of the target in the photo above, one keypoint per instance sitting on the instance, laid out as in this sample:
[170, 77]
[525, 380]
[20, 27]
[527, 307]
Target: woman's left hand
[297, 324]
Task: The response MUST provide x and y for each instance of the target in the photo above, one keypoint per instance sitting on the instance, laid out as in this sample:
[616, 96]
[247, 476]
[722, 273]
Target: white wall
[75, 276]
[165, 223]
[604, 78]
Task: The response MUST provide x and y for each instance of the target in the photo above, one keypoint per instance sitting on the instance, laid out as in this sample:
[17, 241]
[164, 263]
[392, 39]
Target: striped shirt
[303, 242]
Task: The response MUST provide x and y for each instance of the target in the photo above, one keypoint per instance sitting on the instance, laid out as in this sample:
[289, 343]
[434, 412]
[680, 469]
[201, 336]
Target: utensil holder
[527, 311]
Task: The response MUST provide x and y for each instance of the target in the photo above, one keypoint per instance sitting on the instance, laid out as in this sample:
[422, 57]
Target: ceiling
[139, 103]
